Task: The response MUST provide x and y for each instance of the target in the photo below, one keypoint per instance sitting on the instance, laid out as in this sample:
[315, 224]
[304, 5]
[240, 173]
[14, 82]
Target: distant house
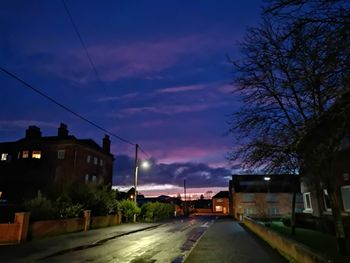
[221, 203]
[44, 163]
[264, 195]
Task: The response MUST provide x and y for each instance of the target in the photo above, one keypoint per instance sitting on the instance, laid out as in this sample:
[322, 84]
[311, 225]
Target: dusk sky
[165, 80]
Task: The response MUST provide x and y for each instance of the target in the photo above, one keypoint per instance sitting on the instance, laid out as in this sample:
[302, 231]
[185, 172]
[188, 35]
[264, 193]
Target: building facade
[54, 162]
[315, 194]
[264, 196]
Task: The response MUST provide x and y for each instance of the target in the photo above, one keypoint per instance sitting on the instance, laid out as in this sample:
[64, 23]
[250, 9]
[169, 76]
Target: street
[169, 242]
[220, 239]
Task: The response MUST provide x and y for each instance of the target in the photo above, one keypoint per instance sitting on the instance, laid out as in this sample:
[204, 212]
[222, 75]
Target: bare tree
[289, 76]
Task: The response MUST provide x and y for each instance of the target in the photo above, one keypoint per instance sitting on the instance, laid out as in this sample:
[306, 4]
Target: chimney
[106, 144]
[62, 130]
[33, 132]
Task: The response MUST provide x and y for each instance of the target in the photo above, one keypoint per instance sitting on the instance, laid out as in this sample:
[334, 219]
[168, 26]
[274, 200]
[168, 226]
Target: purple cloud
[116, 60]
[197, 174]
[182, 88]
[126, 96]
[170, 109]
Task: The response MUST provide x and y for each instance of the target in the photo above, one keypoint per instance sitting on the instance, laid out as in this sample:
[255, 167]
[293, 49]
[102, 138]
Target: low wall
[9, 233]
[104, 221]
[17, 232]
[14, 233]
[48, 228]
[284, 245]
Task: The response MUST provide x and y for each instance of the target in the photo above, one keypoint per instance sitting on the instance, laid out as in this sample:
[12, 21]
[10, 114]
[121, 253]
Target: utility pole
[185, 206]
[136, 168]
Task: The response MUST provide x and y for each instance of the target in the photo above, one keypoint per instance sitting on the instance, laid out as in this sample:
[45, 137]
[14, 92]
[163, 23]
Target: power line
[142, 150]
[75, 27]
[64, 107]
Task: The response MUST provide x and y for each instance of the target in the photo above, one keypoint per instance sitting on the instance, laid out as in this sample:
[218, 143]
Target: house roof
[222, 194]
[257, 183]
[52, 140]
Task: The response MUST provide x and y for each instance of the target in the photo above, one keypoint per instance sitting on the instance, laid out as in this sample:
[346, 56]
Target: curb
[196, 242]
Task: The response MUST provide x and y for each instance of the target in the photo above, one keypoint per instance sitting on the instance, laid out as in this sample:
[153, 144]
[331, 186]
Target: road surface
[168, 242]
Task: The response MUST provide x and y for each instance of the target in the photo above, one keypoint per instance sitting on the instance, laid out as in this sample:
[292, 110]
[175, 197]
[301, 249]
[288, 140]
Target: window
[18, 155]
[298, 198]
[218, 208]
[94, 179]
[248, 197]
[327, 203]
[25, 154]
[273, 211]
[219, 200]
[95, 160]
[271, 198]
[60, 154]
[88, 159]
[345, 194]
[307, 202]
[249, 211]
[4, 156]
[101, 162]
[86, 178]
[36, 154]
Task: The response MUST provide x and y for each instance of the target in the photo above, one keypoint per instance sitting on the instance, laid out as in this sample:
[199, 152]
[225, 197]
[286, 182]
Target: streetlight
[144, 165]
[267, 180]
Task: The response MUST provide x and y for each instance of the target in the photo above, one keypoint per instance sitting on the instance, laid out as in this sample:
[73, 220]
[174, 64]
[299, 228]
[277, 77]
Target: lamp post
[136, 169]
[267, 180]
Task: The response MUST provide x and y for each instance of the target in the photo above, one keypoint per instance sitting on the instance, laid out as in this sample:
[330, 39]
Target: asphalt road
[168, 242]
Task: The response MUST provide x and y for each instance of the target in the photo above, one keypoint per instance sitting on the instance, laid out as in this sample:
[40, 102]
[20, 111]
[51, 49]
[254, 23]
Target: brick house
[330, 135]
[316, 199]
[264, 195]
[44, 163]
[220, 203]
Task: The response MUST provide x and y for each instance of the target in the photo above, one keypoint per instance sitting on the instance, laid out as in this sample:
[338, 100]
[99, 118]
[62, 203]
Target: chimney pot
[33, 132]
[62, 130]
[106, 144]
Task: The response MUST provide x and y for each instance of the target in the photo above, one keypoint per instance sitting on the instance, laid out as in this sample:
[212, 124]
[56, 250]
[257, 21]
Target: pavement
[227, 241]
[37, 250]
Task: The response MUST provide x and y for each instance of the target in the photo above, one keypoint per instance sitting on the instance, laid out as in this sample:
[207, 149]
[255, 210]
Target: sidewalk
[38, 249]
[227, 241]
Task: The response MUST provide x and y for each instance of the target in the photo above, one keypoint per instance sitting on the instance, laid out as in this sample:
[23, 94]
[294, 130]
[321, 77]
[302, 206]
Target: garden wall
[48, 228]
[284, 245]
[14, 233]
[104, 221]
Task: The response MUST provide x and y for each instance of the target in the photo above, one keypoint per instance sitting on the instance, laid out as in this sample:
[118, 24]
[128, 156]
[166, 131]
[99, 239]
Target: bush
[286, 220]
[128, 209]
[156, 211]
[67, 209]
[40, 208]
[99, 199]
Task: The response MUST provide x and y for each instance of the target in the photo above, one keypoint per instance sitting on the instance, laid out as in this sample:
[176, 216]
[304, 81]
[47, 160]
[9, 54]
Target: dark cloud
[196, 174]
